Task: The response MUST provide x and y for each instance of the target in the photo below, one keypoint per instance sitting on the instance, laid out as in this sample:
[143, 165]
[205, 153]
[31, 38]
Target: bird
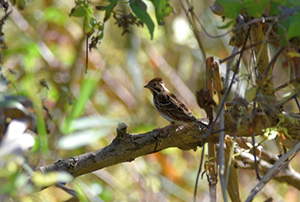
[169, 106]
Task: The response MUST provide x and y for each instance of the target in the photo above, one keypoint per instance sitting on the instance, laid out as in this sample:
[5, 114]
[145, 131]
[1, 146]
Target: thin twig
[287, 83]
[199, 171]
[66, 189]
[224, 98]
[237, 28]
[297, 102]
[255, 157]
[286, 99]
[246, 48]
[194, 28]
[278, 166]
[274, 59]
[222, 159]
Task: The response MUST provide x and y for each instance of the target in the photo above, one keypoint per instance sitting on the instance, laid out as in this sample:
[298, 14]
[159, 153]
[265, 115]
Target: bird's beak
[146, 86]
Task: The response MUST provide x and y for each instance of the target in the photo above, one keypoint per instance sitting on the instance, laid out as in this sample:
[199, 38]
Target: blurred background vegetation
[45, 61]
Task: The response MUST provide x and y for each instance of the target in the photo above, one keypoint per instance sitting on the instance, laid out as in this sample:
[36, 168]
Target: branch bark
[126, 147]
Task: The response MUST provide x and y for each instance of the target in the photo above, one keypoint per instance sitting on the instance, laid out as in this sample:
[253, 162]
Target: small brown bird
[169, 106]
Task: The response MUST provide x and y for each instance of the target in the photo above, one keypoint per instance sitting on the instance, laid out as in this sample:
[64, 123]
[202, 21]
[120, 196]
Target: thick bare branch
[126, 147]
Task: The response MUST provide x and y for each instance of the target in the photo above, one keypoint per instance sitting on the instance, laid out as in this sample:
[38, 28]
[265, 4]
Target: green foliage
[20, 3]
[232, 8]
[255, 8]
[292, 27]
[287, 12]
[82, 138]
[162, 9]
[139, 8]
[109, 9]
[47, 179]
[51, 14]
[86, 92]
[116, 95]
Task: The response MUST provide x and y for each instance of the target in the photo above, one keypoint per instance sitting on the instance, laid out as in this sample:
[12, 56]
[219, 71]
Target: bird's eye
[155, 84]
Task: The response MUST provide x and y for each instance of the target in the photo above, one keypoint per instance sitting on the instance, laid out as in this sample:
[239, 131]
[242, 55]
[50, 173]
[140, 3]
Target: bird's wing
[171, 106]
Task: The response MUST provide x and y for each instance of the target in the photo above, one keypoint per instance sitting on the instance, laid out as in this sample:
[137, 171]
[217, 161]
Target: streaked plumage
[168, 105]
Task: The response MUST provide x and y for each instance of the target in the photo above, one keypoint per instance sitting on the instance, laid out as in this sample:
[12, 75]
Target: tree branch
[126, 147]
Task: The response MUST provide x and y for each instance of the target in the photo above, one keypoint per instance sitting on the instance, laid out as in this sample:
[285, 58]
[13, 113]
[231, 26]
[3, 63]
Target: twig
[274, 59]
[66, 189]
[199, 171]
[246, 48]
[224, 98]
[297, 102]
[287, 83]
[191, 20]
[279, 165]
[237, 28]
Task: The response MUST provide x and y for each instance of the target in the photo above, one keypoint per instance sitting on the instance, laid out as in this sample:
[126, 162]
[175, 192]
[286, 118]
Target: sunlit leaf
[255, 8]
[89, 21]
[232, 8]
[287, 118]
[109, 9]
[21, 4]
[86, 91]
[79, 11]
[227, 25]
[79, 139]
[251, 94]
[92, 122]
[53, 14]
[47, 179]
[162, 9]
[139, 9]
[294, 26]
[270, 133]
[87, 27]
[80, 191]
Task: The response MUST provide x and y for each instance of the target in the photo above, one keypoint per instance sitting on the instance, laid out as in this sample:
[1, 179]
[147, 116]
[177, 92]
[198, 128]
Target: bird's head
[156, 86]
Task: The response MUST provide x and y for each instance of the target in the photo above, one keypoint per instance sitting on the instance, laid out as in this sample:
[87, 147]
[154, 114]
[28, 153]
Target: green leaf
[289, 28]
[88, 21]
[82, 138]
[86, 92]
[294, 26]
[231, 22]
[139, 8]
[274, 9]
[251, 94]
[85, 123]
[232, 8]
[21, 4]
[255, 8]
[54, 15]
[162, 9]
[47, 179]
[293, 3]
[79, 11]
[109, 9]
[270, 133]
[87, 27]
